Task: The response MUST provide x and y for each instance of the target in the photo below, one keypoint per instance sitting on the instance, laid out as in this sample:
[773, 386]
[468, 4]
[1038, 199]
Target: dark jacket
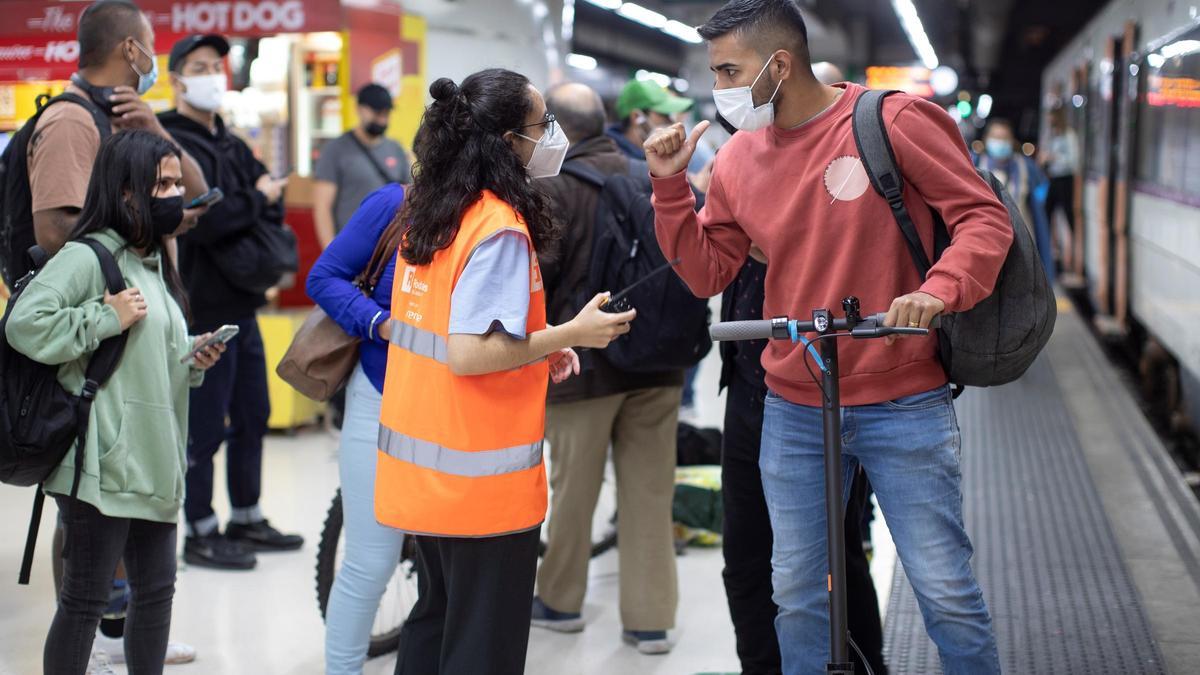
[573, 204]
[743, 301]
[227, 163]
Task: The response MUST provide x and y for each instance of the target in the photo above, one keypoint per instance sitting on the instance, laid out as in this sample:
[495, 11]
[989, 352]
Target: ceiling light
[985, 106]
[911, 22]
[581, 61]
[646, 17]
[682, 31]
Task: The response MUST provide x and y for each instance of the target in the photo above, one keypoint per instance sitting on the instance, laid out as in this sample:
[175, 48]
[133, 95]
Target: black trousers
[475, 604]
[1061, 195]
[748, 541]
[94, 544]
[235, 388]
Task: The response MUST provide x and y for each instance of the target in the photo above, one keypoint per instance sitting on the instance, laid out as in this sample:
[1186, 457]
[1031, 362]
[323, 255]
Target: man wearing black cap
[238, 390]
[356, 164]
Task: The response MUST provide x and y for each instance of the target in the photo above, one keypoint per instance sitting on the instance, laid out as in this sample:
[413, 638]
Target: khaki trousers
[641, 427]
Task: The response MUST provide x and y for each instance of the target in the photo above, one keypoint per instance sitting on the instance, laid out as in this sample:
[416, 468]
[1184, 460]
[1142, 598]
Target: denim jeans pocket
[925, 400]
[772, 397]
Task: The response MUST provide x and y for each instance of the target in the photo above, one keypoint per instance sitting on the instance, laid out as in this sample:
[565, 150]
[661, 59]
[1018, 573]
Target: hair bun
[443, 89]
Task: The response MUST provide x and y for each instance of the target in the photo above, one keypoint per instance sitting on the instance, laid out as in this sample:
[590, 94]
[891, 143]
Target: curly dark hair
[461, 151]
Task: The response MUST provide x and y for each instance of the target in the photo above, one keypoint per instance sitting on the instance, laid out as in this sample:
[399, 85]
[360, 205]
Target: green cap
[649, 95]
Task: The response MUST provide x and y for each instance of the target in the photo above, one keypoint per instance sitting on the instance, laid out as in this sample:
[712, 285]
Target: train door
[1078, 121]
[1102, 132]
[1124, 157]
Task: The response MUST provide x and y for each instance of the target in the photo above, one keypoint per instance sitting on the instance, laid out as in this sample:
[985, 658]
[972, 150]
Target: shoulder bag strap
[878, 158]
[371, 158]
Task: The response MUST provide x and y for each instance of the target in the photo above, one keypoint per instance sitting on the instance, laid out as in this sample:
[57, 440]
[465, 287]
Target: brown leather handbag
[322, 355]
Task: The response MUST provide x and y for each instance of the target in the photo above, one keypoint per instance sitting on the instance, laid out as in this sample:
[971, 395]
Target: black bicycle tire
[331, 532]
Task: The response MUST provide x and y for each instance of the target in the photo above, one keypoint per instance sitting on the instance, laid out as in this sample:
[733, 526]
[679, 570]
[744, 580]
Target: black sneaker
[261, 536]
[217, 552]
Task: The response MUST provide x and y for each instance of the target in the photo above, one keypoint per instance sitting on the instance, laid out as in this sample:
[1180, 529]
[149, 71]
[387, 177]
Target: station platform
[1087, 548]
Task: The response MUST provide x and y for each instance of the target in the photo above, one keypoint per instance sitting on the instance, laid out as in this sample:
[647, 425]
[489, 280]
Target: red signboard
[37, 39]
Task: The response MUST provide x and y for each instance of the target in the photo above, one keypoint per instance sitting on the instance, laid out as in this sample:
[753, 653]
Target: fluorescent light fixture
[1156, 60]
[682, 31]
[606, 4]
[662, 80]
[646, 17]
[581, 61]
[568, 21]
[911, 22]
[1180, 48]
[985, 106]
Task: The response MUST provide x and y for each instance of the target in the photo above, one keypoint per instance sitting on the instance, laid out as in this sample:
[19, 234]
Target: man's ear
[784, 64]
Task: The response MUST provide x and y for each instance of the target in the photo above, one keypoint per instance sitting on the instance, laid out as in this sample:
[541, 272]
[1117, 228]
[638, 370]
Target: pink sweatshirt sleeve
[711, 247]
[934, 160]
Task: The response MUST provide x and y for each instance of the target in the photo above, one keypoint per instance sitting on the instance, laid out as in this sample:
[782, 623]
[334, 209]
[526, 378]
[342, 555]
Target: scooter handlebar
[780, 329]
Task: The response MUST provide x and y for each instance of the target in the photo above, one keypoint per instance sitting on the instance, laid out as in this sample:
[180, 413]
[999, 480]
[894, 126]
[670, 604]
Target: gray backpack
[996, 341]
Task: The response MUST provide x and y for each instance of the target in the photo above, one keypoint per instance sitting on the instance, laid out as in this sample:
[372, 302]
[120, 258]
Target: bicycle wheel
[399, 597]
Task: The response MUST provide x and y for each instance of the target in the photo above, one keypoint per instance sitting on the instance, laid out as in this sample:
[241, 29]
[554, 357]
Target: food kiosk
[294, 66]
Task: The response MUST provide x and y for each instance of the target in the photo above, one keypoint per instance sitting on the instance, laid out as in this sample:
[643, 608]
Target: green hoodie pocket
[145, 457]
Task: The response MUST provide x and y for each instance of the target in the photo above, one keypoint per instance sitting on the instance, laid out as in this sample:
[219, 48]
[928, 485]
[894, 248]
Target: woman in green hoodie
[134, 460]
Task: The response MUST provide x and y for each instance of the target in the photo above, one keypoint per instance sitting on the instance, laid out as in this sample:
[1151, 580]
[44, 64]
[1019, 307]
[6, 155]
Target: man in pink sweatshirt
[790, 183]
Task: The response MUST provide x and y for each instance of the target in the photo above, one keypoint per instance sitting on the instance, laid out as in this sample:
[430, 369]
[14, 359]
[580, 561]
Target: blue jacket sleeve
[331, 281]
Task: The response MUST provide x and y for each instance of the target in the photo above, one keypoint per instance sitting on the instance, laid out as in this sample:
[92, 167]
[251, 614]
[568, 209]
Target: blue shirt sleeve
[331, 280]
[493, 291]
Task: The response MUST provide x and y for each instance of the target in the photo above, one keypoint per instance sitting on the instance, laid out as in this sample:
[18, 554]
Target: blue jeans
[372, 550]
[910, 450]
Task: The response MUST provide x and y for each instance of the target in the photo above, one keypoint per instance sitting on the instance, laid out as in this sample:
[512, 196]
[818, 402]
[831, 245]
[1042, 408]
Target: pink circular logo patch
[846, 179]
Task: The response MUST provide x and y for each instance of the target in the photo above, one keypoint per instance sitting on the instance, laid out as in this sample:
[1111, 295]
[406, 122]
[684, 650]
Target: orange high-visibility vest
[459, 456]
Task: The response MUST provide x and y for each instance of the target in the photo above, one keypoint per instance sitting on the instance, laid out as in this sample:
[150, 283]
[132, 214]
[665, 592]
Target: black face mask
[166, 213]
[375, 129]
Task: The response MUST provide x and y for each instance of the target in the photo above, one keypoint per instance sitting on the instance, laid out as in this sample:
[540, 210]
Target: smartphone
[207, 199]
[222, 336]
[617, 304]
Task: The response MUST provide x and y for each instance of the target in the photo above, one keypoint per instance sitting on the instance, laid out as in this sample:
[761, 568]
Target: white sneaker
[99, 664]
[114, 649]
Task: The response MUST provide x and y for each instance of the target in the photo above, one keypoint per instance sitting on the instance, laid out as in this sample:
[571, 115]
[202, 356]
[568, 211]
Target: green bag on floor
[697, 509]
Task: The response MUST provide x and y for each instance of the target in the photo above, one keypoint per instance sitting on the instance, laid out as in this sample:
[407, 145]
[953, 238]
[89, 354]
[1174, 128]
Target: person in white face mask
[792, 183]
[218, 261]
[471, 355]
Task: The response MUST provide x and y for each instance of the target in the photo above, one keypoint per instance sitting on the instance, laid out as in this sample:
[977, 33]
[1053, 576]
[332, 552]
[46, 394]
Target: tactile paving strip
[1060, 597]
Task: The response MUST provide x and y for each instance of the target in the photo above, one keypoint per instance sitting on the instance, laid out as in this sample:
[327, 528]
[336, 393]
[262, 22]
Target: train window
[1169, 118]
[1097, 111]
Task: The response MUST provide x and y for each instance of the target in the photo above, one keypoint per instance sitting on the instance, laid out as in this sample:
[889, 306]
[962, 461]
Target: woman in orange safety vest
[470, 357]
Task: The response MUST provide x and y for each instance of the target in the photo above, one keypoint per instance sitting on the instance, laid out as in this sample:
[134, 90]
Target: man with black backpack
[627, 396]
[797, 183]
[47, 165]
[239, 250]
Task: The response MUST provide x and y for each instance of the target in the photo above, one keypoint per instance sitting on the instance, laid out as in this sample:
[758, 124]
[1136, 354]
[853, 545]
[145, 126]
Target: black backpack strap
[100, 368]
[584, 173]
[104, 360]
[878, 158]
[35, 521]
[103, 123]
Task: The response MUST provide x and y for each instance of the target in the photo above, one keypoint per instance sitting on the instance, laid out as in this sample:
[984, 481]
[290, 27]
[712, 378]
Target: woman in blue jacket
[372, 550]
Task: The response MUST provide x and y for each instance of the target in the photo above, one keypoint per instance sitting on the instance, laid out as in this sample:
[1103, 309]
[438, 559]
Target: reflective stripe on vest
[420, 342]
[471, 464]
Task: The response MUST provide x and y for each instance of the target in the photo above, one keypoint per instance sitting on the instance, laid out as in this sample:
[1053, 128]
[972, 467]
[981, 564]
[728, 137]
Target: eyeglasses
[549, 121]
